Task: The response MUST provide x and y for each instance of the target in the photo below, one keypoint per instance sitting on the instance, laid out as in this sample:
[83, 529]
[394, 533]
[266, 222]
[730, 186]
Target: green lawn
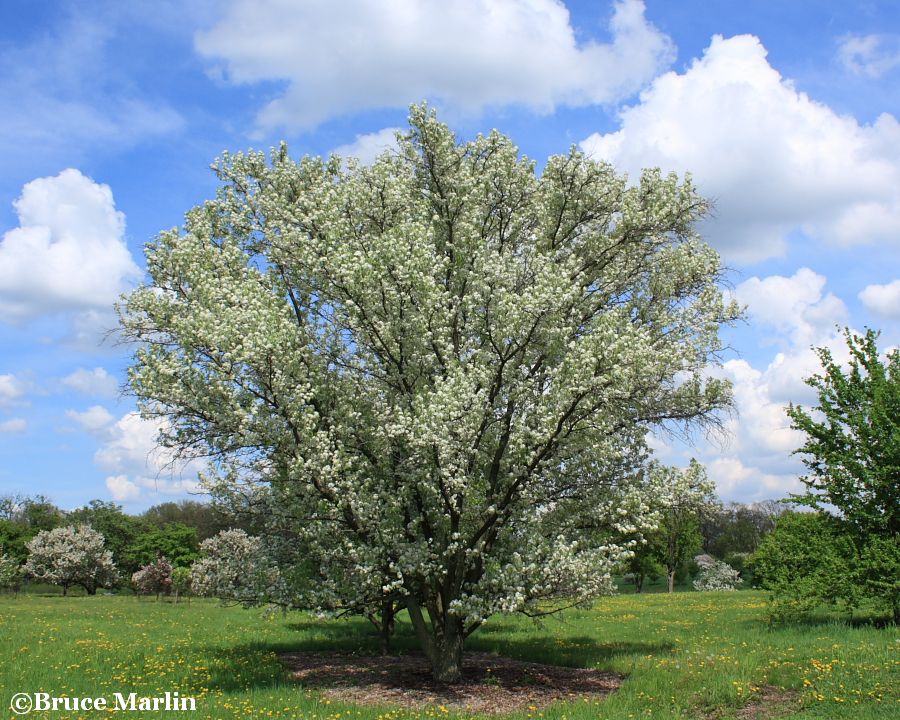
[689, 655]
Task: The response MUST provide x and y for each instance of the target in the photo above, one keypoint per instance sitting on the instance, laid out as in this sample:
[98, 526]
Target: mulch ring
[491, 684]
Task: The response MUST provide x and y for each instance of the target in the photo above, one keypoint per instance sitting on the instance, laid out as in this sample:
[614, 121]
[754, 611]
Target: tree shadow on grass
[258, 665]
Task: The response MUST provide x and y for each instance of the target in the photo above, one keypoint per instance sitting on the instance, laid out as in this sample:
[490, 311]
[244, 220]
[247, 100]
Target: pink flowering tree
[154, 578]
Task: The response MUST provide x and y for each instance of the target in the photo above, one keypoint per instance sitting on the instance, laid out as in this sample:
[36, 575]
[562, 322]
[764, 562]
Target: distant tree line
[171, 530]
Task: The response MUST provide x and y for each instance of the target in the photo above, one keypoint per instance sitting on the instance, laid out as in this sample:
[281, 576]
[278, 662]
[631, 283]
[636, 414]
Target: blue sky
[785, 114]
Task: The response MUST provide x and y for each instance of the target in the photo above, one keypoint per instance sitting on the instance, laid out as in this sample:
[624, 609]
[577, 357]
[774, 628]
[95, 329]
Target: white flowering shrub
[717, 576]
[70, 556]
[154, 578]
[441, 368]
[10, 572]
[234, 566]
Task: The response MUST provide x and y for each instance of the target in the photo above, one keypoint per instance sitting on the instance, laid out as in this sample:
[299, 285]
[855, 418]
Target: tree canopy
[852, 446]
[435, 373]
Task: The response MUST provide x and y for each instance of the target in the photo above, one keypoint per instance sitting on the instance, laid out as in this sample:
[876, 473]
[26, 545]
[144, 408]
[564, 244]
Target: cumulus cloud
[122, 489]
[69, 251]
[341, 58]
[773, 159]
[96, 419]
[133, 459]
[92, 382]
[794, 306]
[13, 425]
[756, 463]
[367, 147]
[12, 389]
[883, 300]
[871, 55]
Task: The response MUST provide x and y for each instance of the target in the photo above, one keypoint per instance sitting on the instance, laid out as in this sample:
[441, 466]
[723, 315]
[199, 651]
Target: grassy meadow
[688, 655]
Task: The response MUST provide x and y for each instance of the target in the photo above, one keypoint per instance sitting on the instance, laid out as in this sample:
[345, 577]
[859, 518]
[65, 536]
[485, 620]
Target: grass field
[688, 655]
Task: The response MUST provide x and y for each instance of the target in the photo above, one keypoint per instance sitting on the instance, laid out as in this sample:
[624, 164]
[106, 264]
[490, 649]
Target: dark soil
[491, 684]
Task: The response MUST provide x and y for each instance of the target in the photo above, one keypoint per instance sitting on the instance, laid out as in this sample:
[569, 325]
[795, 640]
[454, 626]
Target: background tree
[852, 451]
[154, 578]
[442, 366]
[181, 582]
[717, 576]
[805, 562]
[69, 556]
[206, 518]
[681, 496]
[21, 518]
[120, 531]
[10, 572]
[235, 567]
[175, 541]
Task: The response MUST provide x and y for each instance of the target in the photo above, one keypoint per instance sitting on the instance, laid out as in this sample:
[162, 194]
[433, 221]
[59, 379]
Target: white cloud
[757, 462]
[62, 96]
[131, 455]
[13, 425]
[366, 148]
[96, 419]
[794, 306]
[872, 55]
[122, 489]
[883, 300]
[341, 58]
[68, 252]
[772, 159]
[92, 382]
[12, 389]
[735, 480]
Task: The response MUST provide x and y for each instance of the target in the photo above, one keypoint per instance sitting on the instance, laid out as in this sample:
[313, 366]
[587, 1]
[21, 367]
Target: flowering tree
[680, 496]
[70, 556]
[438, 367]
[10, 572]
[234, 566]
[154, 578]
[717, 575]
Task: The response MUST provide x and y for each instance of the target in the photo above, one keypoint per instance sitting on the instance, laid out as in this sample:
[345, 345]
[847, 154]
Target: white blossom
[69, 556]
[438, 370]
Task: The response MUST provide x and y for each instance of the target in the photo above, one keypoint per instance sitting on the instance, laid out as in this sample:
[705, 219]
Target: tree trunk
[638, 582]
[387, 626]
[442, 643]
[65, 590]
[446, 666]
[672, 581]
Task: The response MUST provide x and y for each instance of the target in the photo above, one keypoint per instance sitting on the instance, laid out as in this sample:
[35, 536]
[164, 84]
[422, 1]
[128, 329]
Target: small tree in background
[717, 575]
[852, 451]
[805, 562]
[181, 582]
[681, 495]
[235, 567]
[70, 556]
[10, 572]
[154, 578]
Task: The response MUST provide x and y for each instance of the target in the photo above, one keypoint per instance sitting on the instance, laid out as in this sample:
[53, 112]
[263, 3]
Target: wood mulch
[491, 684]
